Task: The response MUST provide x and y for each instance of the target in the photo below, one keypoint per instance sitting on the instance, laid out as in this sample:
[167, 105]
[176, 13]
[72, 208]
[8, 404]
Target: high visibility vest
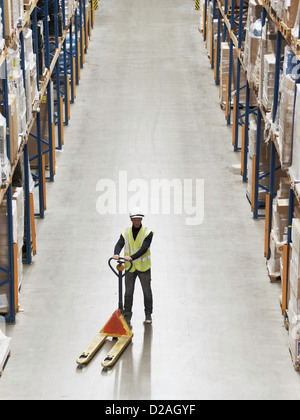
[132, 246]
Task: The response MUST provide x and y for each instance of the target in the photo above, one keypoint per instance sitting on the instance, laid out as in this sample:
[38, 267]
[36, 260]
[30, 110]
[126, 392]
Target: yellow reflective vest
[132, 246]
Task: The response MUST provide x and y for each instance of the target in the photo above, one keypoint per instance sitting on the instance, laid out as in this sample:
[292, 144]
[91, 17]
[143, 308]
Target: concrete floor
[147, 105]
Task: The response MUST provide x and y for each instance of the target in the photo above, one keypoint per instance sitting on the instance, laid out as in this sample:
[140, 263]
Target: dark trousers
[145, 279]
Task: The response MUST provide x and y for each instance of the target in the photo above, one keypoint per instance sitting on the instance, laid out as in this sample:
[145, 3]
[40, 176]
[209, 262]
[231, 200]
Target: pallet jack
[115, 327]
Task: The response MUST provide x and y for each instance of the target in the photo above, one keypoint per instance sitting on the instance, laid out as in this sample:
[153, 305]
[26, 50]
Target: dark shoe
[148, 319]
[127, 316]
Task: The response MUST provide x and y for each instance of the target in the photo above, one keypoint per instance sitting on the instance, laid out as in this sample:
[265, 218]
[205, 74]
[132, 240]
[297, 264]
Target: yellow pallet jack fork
[115, 327]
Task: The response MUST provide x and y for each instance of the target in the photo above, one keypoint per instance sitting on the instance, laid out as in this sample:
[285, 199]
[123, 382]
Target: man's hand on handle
[117, 257]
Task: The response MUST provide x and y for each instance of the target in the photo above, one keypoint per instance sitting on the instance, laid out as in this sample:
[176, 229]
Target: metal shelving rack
[231, 28]
[56, 58]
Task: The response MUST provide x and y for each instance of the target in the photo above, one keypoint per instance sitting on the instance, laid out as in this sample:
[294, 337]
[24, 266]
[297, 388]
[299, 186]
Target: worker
[136, 240]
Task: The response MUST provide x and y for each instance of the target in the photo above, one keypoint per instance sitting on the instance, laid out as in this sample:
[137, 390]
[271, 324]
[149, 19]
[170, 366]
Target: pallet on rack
[274, 277]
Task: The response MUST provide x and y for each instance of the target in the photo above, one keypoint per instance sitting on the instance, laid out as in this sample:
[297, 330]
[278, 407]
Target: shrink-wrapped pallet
[253, 35]
[268, 45]
[269, 81]
[279, 230]
[286, 120]
[273, 263]
[69, 10]
[4, 162]
[16, 87]
[280, 220]
[278, 7]
[295, 167]
[2, 41]
[224, 70]
[201, 6]
[254, 13]
[13, 15]
[224, 73]
[255, 32]
[286, 108]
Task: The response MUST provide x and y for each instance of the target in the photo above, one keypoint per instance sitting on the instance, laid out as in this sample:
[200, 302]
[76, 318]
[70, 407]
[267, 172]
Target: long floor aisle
[147, 109]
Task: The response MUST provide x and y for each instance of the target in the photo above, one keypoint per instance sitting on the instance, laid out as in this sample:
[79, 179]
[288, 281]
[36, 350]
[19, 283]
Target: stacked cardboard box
[287, 10]
[30, 72]
[224, 73]
[295, 29]
[279, 229]
[16, 87]
[290, 12]
[254, 57]
[268, 46]
[278, 7]
[13, 15]
[286, 108]
[269, 81]
[252, 41]
[13, 127]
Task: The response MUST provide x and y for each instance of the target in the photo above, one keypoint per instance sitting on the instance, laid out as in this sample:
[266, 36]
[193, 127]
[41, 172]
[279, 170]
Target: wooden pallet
[274, 277]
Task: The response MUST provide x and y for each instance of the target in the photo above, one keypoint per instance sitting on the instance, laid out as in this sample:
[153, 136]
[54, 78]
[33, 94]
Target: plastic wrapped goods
[286, 120]
[4, 162]
[269, 81]
[290, 62]
[286, 107]
[255, 33]
[295, 168]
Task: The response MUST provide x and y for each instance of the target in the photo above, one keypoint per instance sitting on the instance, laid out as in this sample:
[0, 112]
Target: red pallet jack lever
[115, 327]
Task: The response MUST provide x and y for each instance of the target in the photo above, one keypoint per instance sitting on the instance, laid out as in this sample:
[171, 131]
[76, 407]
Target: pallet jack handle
[119, 273]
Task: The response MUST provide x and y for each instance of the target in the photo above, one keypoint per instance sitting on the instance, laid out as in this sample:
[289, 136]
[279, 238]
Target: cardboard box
[7, 18]
[280, 219]
[13, 127]
[290, 12]
[286, 113]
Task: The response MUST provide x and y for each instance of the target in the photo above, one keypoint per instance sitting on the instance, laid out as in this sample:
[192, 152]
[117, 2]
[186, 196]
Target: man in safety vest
[136, 240]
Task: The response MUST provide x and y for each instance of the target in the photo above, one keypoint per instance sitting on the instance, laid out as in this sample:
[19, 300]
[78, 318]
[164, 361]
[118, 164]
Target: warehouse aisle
[147, 109]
